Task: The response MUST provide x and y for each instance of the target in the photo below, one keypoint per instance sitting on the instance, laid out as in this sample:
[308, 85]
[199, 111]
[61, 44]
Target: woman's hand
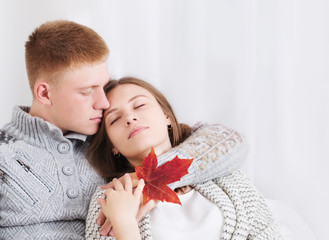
[121, 207]
[105, 222]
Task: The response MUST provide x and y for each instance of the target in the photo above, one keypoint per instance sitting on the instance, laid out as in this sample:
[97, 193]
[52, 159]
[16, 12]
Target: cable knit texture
[45, 180]
[216, 150]
[246, 215]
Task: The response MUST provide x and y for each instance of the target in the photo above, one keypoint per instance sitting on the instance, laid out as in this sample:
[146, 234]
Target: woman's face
[135, 122]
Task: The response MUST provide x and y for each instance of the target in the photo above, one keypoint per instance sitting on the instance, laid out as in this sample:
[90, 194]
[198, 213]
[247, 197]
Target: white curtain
[261, 67]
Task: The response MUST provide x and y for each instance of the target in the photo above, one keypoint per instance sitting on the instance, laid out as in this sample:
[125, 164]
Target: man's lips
[97, 119]
[136, 131]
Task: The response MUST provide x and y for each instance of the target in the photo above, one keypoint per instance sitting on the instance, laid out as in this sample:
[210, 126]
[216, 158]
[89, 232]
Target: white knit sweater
[246, 215]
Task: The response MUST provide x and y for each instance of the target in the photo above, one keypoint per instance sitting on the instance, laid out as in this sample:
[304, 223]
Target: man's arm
[216, 150]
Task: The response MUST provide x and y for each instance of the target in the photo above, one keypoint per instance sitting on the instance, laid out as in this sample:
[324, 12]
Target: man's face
[78, 99]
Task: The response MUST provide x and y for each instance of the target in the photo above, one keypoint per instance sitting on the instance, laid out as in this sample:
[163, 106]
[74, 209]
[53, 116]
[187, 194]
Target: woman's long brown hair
[100, 150]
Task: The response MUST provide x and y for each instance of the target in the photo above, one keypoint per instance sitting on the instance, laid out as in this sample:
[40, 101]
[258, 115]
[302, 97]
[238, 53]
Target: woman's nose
[130, 120]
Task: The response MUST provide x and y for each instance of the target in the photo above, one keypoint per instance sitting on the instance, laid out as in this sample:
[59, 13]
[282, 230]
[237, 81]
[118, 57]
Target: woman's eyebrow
[137, 96]
[112, 110]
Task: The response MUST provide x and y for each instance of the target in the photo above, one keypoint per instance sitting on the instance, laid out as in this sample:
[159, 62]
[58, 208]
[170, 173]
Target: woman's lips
[136, 131]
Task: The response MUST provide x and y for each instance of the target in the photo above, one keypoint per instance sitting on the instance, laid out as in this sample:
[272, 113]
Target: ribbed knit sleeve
[254, 218]
[92, 228]
[216, 150]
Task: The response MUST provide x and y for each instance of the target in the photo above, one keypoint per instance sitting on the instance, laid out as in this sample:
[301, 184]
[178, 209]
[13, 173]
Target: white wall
[261, 67]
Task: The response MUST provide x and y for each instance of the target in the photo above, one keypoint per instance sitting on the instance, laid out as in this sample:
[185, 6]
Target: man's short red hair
[59, 45]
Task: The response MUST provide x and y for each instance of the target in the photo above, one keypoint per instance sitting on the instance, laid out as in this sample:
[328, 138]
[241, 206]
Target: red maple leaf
[157, 178]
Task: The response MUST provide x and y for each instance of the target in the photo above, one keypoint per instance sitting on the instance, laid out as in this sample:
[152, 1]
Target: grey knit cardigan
[46, 181]
[246, 215]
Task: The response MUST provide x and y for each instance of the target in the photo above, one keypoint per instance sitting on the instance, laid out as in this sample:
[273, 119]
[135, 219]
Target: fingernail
[103, 232]
[98, 221]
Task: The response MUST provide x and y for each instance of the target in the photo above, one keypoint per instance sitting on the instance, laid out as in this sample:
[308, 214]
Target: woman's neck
[138, 161]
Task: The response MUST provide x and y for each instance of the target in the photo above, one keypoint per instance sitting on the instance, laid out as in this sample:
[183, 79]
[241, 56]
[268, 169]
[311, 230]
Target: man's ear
[42, 93]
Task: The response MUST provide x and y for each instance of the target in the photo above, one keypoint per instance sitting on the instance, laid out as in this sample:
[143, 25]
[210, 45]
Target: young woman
[139, 118]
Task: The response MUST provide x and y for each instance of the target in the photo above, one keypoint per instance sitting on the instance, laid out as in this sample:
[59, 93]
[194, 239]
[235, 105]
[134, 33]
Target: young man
[46, 181]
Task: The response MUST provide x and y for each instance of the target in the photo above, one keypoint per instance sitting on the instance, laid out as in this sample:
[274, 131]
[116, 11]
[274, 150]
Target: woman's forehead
[126, 91]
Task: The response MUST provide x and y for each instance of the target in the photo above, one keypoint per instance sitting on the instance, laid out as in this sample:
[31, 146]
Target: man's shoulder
[6, 145]
[6, 138]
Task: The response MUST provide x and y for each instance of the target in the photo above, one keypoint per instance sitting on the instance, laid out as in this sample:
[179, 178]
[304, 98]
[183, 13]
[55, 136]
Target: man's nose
[101, 101]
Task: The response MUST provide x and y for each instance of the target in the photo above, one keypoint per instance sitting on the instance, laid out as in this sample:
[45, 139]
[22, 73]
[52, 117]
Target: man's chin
[89, 131]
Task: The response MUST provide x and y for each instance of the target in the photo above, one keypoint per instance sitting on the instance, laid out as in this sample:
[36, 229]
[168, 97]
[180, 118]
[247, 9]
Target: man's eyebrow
[130, 100]
[95, 85]
[87, 87]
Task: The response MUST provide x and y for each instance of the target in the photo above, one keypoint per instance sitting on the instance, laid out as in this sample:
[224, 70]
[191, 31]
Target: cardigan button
[72, 193]
[67, 170]
[63, 147]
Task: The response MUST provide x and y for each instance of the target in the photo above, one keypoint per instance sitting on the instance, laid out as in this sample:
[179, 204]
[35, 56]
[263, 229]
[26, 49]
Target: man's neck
[38, 110]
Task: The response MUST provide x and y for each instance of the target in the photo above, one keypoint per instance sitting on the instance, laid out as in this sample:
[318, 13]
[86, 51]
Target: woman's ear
[42, 93]
[168, 120]
[115, 151]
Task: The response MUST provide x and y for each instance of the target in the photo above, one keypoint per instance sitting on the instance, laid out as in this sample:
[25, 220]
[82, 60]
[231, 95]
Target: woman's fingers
[139, 189]
[143, 209]
[128, 183]
[101, 201]
[101, 218]
[134, 180]
[117, 184]
[107, 225]
[106, 228]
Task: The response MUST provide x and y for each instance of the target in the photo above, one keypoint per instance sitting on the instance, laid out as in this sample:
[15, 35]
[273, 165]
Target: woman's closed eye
[139, 105]
[114, 120]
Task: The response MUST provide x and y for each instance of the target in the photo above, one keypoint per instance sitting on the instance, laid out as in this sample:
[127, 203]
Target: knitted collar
[35, 130]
